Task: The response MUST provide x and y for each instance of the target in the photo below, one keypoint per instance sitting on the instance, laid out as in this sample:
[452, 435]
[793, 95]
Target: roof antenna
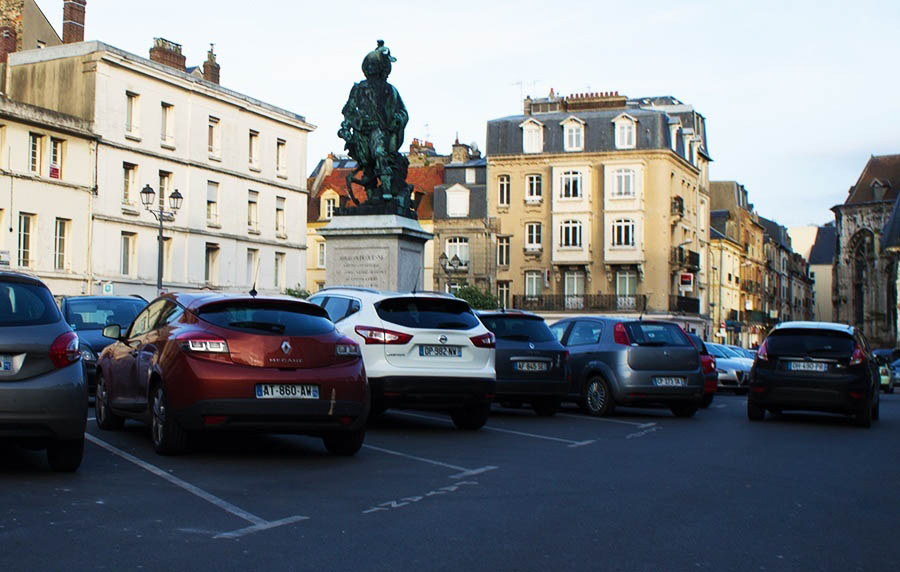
[253, 291]
[416, 283]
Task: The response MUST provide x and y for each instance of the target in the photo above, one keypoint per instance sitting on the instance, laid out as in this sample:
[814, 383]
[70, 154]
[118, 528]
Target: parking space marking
[256, 522]
[607, 420]
[568, 442]
[464, 472]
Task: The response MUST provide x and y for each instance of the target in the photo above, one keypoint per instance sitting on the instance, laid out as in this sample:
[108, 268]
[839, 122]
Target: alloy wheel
[158, 423]
[596, 396]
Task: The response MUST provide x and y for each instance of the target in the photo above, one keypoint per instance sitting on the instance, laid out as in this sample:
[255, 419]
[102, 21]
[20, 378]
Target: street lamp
[161, 214]
[449, 265]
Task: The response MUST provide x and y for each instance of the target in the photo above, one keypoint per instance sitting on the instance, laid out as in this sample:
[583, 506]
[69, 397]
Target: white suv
[421, 350]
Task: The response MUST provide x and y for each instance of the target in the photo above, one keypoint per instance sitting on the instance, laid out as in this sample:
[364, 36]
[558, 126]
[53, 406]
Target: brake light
[346, 348]
[857, 357]
[620, 336]
[205, 346]
[761, 353]
[64, 350]
[381, 336]
[484, 340]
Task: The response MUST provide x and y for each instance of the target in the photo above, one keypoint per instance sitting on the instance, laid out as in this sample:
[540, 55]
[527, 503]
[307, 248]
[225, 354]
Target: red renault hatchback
[216, 362]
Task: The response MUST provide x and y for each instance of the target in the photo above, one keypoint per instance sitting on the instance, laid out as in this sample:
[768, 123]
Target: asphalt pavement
[641, 490]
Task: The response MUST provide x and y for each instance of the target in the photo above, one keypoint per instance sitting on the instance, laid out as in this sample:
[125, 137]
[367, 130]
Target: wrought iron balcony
[580, 303]
[684, 304]
[684, 257]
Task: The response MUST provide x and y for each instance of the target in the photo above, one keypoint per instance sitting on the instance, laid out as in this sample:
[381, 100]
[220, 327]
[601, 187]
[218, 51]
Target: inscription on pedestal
[365, 267]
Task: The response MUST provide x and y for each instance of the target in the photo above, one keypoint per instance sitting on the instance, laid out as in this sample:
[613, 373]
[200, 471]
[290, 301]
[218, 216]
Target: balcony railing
[684, 257]
[684, 304]
[581, 303]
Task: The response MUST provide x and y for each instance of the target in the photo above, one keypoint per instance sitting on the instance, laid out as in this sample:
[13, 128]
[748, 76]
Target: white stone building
[238, 162]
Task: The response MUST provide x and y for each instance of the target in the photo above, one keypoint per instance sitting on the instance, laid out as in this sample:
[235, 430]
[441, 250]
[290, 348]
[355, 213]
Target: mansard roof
[879, 181]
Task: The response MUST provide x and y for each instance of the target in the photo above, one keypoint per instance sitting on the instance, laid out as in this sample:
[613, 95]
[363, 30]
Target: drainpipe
[95, 151]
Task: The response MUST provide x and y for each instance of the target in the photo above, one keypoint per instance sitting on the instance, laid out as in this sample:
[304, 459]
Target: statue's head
[377, 63]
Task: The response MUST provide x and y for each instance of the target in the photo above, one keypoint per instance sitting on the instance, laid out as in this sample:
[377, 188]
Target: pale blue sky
[797, 94]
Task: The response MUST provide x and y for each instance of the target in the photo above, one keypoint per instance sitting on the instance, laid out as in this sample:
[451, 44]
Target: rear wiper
[265, 326]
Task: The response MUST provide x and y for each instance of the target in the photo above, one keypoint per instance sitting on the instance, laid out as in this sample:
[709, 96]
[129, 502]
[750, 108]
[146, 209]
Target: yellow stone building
[602, 206]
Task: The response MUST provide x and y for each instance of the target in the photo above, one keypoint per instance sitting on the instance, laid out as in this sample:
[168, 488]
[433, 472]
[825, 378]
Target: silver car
[43, 395]
[733, 370]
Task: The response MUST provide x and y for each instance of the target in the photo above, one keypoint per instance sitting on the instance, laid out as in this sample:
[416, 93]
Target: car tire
[345, 443]
[168, 437]
[863, 418]
[707, 400]
[597, 398]
[65, 456]
[875, 410]
[755, 412]
[472, 417]
[546, 406]
[682, 410]
[105, 418]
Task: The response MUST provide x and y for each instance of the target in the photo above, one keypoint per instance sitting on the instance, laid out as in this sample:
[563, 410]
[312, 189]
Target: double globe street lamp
[148, 196]
[449, 266]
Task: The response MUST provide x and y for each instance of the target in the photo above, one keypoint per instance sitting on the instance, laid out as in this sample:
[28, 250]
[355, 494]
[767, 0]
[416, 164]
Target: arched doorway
[861, 259]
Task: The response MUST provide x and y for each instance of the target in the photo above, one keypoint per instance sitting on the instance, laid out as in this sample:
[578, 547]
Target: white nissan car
[421, 350]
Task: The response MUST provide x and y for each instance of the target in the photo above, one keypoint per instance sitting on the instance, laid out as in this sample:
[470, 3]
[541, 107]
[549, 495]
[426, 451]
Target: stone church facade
[864, 291]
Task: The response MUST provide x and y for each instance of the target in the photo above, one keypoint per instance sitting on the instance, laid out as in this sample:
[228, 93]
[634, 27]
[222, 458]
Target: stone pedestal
[386, 252]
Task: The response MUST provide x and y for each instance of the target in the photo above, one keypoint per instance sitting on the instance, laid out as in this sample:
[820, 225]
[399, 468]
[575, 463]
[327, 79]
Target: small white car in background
[421, 350]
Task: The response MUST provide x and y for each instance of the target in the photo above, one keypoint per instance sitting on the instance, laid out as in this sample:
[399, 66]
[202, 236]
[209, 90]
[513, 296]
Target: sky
[797, 94]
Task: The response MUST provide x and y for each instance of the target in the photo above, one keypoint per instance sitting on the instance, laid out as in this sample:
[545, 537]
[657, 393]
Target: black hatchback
[532, 366]
[815, 366]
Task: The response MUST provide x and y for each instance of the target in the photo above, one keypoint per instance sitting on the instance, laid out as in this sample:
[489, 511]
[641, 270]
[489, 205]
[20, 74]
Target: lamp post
[161, 214]
[449, 265]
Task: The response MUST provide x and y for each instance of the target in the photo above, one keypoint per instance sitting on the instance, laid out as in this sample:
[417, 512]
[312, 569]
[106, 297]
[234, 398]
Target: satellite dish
[474, 146]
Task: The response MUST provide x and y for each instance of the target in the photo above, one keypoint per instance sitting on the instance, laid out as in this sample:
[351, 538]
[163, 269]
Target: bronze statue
[374, 120]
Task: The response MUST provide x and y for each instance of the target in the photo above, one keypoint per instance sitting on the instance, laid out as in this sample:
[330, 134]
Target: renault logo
[443, 339]
[286, 347]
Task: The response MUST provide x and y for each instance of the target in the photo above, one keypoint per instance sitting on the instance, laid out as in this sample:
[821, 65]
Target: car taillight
[620, 336]
[381, 336]
[761, 353]
[347, 348]
[857, 357]
[204, 346]
[64, 350]
[484, 340]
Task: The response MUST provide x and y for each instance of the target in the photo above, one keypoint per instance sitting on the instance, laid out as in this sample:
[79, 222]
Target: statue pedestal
[386, 252]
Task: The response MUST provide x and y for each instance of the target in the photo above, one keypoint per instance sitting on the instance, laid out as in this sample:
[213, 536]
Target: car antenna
[416, 283]
[253, 291]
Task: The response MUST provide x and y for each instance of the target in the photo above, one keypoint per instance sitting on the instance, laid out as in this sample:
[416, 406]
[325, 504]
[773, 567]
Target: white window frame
[211, 263]
[57, 150]
[280, 157]
[626, 132]
[503, 293]
[126, 254]
[625, 179]
[167, 125]
[503, 191]
[330, 205]
[458, 246]
[532, 136]
[129, 182]
[503, 250]
[25, 247]
[280, 226]
[320, 254]
[165, 183]
[570, 234]
[212, 203]
[252, 261]
[571, 185]
[35, 153]
[253, 211]
[279, 270]
[60, 242]
[573, 134]
[534, 236]
[534, 283]
[534, 188]
[214, 138]
[132, 114]
[253, 149]
[623, 233]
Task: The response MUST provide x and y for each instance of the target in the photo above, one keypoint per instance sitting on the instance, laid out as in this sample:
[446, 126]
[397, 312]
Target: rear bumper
[430, 393]
[304, 416]
[51, 406]
[841, 395]
[531, 388]
[639, 387]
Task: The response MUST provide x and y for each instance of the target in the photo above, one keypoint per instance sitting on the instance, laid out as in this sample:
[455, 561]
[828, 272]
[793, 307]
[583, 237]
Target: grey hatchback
[630, 362]
[43, 395]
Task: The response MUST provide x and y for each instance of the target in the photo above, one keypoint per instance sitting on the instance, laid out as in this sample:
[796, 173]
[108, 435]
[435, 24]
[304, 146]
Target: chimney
[73, 21]
[7, 42]
[210, 67]
[167, 53]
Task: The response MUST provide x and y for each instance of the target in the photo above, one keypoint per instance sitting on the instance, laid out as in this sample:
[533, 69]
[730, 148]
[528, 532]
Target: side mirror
[113, 331]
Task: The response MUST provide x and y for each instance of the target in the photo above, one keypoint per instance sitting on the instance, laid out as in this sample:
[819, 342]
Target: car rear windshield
[97, 313]
[274, 317]
[428, 313]
[26, 304]
[518, 328]
[656, 334]
[812, 343]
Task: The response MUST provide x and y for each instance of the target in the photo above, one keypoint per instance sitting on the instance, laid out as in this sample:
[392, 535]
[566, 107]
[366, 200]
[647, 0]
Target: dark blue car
[88, 315]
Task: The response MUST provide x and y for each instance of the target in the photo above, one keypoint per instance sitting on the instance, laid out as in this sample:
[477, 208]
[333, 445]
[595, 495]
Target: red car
[708, 365]
[217, 362]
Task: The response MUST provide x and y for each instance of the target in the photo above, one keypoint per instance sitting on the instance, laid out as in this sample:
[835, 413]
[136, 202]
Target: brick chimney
[7, 42]
[210, 67]
[167, 53]
[73, 21]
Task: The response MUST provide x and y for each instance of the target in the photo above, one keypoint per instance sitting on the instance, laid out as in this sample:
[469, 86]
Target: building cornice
[586, 156]
[45, 180]
[199, 165]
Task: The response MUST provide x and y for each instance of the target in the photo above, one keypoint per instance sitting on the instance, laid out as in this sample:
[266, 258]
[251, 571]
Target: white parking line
[464, 472]
[257, 522]
[568, 442]
[607, 420]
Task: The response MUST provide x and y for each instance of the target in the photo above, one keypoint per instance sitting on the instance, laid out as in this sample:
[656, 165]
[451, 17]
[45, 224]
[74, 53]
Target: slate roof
[890, 236]
[882, 170]
[776, 232]
[822, 251]
[718, 220]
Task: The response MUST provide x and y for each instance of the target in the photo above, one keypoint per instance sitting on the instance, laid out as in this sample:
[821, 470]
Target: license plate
[440, 351]
[530, 366]
[286, 391]
[669, 381]
[5, 363]
[807, 366]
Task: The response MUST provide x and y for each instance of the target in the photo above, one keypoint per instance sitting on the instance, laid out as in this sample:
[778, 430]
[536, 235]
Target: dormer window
[573, 134]
[457, 201]
[532, 136]
[625, 126]
[329, 203]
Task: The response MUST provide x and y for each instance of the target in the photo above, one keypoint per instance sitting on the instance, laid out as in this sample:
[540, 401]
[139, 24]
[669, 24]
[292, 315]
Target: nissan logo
[286, 347]
[443, 339]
